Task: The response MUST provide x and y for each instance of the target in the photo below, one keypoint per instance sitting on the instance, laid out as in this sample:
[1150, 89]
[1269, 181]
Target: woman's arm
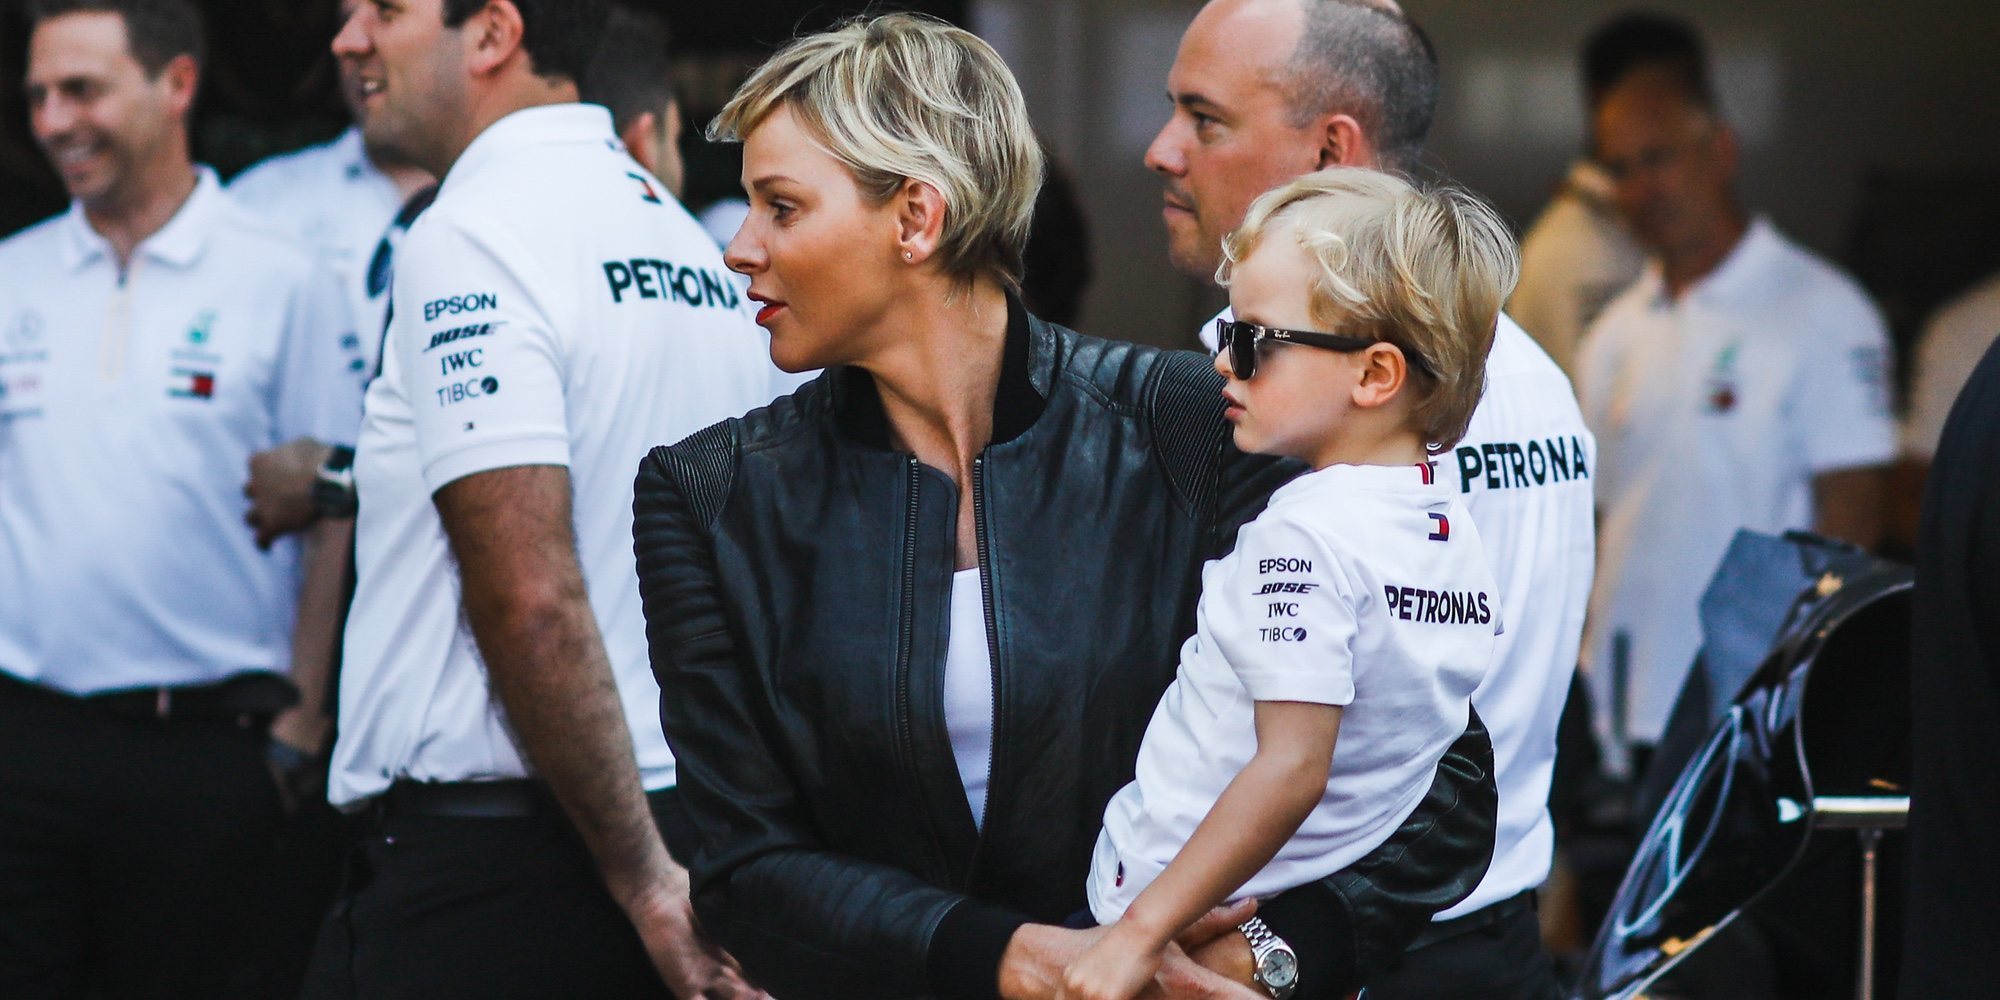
[1258, 811]
[804, 921]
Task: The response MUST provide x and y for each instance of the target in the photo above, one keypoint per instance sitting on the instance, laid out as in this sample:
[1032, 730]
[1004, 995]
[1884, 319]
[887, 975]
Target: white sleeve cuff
[538, 449]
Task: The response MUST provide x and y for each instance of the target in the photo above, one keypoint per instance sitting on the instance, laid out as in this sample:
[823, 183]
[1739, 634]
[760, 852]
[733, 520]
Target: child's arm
[1257, 812]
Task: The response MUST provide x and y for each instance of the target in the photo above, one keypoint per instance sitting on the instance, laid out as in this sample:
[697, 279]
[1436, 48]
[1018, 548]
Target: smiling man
[151, 338]
[554, 316]
[1266, 90]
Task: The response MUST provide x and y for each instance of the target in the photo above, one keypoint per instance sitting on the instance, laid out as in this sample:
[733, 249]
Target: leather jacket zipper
[906, 645]
[992, 652]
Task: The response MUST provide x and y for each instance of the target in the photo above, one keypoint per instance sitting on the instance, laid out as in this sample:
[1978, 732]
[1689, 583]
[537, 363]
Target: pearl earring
[907, 255]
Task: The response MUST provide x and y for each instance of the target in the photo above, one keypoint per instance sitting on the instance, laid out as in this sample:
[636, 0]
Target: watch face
[1278, 969]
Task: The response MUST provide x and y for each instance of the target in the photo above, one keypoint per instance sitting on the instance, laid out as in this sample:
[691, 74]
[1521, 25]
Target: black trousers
[135, 854]
[437, 907]
[1502, 961]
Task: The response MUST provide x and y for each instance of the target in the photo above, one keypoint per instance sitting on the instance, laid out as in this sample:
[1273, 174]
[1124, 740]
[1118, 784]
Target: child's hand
[1117, 967]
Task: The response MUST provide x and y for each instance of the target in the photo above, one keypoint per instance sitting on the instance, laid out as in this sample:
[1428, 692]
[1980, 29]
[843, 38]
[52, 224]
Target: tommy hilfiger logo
[186, 383]
[646, 192]
[1443, 532]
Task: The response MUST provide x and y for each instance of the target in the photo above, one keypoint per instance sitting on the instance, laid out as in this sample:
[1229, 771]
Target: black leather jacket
[797, 573]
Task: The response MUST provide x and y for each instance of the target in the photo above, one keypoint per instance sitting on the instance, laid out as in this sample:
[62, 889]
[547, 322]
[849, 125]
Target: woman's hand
[1117, 967]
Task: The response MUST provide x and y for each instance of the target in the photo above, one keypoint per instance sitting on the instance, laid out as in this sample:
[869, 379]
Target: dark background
[269, 85]
[1872, 131]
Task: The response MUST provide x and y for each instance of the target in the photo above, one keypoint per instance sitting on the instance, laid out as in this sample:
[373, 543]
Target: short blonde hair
[905, 97]
[1424, 269]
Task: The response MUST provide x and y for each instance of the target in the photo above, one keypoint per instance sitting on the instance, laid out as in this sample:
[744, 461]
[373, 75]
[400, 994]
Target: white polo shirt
[1525, 471]
[554, 307]
[1954, 340]
[1714, 412]
[1359, 586]
[129, 407]
[332, 197]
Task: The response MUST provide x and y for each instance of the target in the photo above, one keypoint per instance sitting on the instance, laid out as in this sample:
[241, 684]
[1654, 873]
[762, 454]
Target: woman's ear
[1383, 371]
[919, 221]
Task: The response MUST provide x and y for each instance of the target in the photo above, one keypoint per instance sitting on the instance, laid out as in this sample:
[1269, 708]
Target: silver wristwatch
[1277, 965]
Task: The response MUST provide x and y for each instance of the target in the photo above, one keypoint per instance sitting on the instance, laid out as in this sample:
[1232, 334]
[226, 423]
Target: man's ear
[920, 210]
[1728, 150]
[1342, 143]
[493, 36]
[182, 76]
[638, 138]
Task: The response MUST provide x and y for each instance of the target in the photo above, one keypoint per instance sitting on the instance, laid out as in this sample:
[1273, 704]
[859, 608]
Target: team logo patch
[186, 383]
[198, 331]
[1722, 381]
[1443, 532]
[24, 330]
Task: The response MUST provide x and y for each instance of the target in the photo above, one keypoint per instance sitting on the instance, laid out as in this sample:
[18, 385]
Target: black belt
[247, 698]
[513, 798]
[1477, 920]
[509, 798]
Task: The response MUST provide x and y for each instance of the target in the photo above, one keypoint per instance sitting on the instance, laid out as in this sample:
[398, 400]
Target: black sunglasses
[1239, 340]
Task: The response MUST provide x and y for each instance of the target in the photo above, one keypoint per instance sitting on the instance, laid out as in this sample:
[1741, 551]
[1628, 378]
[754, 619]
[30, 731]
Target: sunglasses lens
[1242, 351]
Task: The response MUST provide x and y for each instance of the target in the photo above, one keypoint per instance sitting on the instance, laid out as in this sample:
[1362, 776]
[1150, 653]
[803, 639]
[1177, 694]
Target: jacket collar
[1027, 369]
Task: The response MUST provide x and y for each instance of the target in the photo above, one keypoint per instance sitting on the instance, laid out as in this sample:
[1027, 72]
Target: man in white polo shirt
[555, 315]
[1354, 83]
[1741, 383]
[350, 200]
[151, 338]
[341, 198]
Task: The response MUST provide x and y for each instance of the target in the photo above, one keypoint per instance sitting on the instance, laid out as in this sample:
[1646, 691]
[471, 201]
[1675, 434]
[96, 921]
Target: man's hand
[298, 741]
[1032, 967]
[692, 966]
[280, 488]
[1216, 945]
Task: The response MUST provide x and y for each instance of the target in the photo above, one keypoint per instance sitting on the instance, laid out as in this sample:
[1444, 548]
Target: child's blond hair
[1424, 269]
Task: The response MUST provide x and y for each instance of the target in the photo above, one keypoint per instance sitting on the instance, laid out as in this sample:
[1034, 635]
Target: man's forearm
[530, 613]
[316, 632]
[549, 669]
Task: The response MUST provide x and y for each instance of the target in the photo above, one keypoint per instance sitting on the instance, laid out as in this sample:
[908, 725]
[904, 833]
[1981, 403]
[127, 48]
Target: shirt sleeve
[317, 393]
[1840, 404]
[482, 358]
[1285, 619]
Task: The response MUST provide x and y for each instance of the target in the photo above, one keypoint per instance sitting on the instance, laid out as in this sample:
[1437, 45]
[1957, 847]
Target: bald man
[1264, 91]
[1740, 383]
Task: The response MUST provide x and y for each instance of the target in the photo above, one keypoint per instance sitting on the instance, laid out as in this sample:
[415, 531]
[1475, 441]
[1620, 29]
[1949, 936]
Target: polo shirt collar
[539, 125]
[178, 243]
[353, 154]
[1743, 275]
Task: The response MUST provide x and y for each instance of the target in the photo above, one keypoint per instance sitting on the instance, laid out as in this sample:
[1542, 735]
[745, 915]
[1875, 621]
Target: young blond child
[1358, 605]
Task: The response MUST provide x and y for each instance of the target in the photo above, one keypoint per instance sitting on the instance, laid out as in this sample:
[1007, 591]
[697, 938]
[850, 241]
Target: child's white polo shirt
[1359, 586]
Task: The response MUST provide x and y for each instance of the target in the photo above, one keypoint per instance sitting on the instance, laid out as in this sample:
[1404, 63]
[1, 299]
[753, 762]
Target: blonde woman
[910, 622]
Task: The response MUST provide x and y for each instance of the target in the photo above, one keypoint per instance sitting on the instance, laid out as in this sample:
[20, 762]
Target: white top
[129, 408]
[1575, 258]
[968, 689]
[332, 197]
[1524, 470]
[1954, 340]
[550, 309]
[1714, 412]
[1359, 586]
